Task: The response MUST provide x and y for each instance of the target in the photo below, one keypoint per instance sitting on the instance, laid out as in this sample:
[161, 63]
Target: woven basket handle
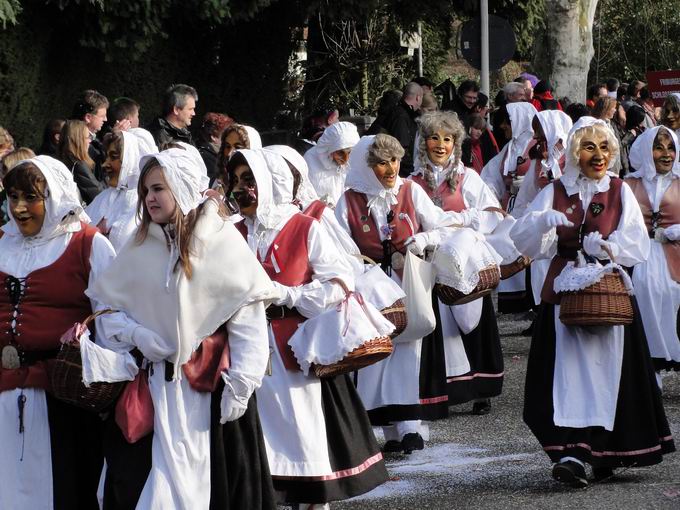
[366, 259]
[608, 252]
[496, 210]
[92, 317]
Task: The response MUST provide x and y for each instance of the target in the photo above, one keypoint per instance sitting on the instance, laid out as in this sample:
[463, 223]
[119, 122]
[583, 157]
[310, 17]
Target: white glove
[235, 398]
[516, 184]
[552, 218]
[594, 245]
[284, 295]
[672, 233]
[417, 244]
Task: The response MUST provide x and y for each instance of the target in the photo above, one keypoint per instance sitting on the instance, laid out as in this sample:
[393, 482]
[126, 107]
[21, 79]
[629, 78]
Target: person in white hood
[114, 210]
[328, 160]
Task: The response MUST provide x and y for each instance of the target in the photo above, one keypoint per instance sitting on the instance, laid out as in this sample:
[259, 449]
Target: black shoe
[602, 473]
[482, 407]
[570, 473]
[412, 441]
[392, 446]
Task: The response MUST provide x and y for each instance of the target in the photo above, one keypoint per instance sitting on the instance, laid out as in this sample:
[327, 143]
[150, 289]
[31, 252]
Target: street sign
[663, 83]
[501, 42]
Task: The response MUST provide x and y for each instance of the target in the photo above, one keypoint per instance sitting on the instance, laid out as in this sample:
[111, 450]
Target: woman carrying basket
[320, 445]
[590, 394]
[384, 213]
[472, 348]
[51, 453]
[656, 185]
[186, 275]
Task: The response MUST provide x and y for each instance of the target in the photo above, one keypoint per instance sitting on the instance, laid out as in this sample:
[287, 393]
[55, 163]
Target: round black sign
[501, 42]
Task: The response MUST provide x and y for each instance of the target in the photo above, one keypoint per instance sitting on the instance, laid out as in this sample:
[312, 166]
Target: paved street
[494, 461]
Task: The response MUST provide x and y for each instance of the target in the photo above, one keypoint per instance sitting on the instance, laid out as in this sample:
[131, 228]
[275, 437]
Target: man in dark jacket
[401, 124]
[178, 109]
[91, 108]
[465, 101]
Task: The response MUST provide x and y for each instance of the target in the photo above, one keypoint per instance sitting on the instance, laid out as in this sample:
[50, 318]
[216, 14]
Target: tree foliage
[634, 36]
[9, 12]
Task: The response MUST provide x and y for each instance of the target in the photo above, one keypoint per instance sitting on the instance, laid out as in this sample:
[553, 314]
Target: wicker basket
[605, 303]
[515, 267]
[364, 355]
[396, 314]
[66, 377]
[489, 277]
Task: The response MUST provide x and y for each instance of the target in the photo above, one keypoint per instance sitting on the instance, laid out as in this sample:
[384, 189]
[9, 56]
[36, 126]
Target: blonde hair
[182, 225]
[578, 136]
[72, 146]
[602, 106]
[6, 140]
[384, 148]
[11, 159]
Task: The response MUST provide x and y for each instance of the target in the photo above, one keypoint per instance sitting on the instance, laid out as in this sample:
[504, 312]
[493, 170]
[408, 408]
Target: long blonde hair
[72, 146]
[181, 225]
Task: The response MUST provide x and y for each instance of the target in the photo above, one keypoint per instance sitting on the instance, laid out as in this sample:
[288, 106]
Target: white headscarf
[341, 135]
[556, 126]
[521, 116]
[572, 171]
[282, 177]
[269, 213]
[361, 177]
[641, 153]
[306, 192]
[254, 140]
[137, 142]
[63, 211]
[186, 179]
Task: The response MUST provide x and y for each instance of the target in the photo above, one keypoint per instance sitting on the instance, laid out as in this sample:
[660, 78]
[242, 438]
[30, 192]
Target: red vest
[523, 163]
[605, 222]
[443, 196]
[315, 210]
[363, 228]
[53, 300]
[287, 262]
[669, 210]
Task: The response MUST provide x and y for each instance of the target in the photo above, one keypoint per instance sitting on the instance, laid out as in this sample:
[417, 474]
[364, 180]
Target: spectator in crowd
[425, 83]
[401, 123]
[595, 92]
[314, 125]
[389, 100]
[576, 111]
[73, 152]
[543, 97]
[635, 125]
[480, 145]
[645, 100]
[529, 81]
[91, 108]
[6, 142]
[465, 101]
[50, 139]
[514, 92]
[209, 139]
[670, 113]
[178, 109]
[632, 93]
[124, 109]
[430, 103]
[482, 106]
[612, 85]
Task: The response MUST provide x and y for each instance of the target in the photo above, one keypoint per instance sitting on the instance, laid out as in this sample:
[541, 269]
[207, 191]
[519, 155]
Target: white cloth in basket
[377, 288]
[460, 256]
[104, 365]
[500, 241]
[578, 277]
[330, 336]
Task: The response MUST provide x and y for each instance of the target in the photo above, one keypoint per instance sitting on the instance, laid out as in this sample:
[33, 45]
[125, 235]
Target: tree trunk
[563, 52]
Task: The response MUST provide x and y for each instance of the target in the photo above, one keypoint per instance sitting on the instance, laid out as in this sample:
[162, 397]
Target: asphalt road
[494, 461]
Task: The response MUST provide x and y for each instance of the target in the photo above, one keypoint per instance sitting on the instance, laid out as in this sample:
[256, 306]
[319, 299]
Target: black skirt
[520, 301]
[77, 458]
[640, 435]
[485, 355]
[434, 400]
[355, 458]
[238, 463]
